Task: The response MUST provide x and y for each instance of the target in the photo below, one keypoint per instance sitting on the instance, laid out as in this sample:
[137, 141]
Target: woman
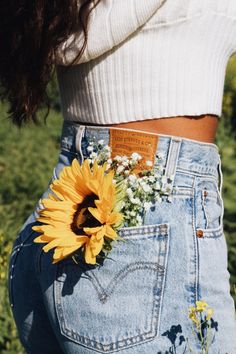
[132, 63]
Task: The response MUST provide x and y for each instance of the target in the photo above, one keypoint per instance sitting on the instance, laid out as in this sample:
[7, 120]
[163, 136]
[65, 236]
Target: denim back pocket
[117, 304]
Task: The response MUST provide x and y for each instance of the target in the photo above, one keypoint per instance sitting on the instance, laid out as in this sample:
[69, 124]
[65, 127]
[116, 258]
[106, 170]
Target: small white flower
[149, 163]
[135, 201]
[158, 198]
[108, 166]
[107, 154]
[135, 156]
[91, 143]
[157, 185]
[151, 179]
[117, 158]
[132, 213]
[90, 148]
[132, 178]
[129, 192]
[124, 158]
[93, 155]
[125, 161]
[146, 188]
[120, 169]
[147, 205]
[160, 155]
[126, 172]
[100, 142]
[107, 148]
[109, 161]
[139, 220]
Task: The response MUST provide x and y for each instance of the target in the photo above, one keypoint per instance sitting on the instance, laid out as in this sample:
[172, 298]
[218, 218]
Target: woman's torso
[172, 67]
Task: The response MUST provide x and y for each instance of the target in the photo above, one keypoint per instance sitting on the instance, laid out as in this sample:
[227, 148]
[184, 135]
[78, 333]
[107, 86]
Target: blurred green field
[27, 158]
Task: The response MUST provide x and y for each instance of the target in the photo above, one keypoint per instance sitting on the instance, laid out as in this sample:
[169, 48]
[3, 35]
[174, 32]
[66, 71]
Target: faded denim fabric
[137, 301]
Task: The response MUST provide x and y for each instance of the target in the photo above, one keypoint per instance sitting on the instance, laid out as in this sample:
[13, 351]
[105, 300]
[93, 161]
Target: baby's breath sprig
[99, 151]
[143, 189]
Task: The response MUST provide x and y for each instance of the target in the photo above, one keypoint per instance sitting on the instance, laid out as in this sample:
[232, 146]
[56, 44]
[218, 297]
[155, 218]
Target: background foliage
[27, 158]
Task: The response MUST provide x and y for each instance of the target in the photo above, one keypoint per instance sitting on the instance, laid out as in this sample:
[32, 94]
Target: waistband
[178, 153]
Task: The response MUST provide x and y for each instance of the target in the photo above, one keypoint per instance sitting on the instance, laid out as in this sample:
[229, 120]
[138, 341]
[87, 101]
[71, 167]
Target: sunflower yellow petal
[59, 205]
[67, 193]
[115, 217]
[96, 245]
[92, 230]
[110, 232]
[40, 239]
[89, 257]
[97, 214]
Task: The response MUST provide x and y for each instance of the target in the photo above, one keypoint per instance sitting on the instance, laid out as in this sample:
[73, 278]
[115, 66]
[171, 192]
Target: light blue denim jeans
[137, 302]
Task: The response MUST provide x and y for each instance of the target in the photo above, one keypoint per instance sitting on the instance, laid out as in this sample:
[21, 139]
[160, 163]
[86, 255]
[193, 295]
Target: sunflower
[81, 212]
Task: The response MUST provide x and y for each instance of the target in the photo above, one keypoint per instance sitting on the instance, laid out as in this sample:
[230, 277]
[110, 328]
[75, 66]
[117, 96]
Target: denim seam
[151, 230]
[195, 249]
[14, 256]
[198, 174]
[121, 275]
[163, 285]
[135, 339]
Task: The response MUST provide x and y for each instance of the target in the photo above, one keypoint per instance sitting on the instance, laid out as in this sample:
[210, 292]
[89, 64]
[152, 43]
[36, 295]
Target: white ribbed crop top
[148, 59]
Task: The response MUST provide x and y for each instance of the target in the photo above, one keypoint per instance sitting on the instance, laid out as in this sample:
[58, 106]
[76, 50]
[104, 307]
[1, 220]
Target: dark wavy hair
[30, 32]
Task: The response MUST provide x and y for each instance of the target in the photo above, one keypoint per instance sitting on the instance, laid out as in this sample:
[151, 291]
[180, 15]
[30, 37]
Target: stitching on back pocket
[117, 304]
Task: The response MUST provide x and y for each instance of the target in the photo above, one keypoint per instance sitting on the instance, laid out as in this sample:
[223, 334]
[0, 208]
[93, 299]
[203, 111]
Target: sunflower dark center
[82, 217]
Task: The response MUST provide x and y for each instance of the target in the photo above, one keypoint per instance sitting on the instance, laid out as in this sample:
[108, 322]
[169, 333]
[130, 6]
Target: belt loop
[79, 135]
[171, 163]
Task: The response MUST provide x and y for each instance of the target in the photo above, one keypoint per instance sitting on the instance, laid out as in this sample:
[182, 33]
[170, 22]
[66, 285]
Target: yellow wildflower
[209, 314]
[201, 305]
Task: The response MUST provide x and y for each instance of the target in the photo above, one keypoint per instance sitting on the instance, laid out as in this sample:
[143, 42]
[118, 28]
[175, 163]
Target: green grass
[27, 158]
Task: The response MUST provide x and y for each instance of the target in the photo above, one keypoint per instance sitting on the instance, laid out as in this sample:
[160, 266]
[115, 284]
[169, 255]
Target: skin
[202, 128]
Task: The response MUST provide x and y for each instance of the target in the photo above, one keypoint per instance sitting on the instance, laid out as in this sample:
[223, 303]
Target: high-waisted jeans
[138, 301]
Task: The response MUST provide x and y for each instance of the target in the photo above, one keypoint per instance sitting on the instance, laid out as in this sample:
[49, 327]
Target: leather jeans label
[126, 142]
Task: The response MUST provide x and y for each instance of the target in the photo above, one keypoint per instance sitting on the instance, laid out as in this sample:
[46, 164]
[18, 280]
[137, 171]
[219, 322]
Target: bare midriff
[202, 128]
